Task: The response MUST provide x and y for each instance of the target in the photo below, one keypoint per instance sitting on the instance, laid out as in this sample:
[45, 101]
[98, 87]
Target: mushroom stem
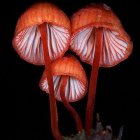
[93, 80]
[53, 108]
[73, 112]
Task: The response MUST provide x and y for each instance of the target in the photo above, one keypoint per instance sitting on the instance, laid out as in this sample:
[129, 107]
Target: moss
[99, 133]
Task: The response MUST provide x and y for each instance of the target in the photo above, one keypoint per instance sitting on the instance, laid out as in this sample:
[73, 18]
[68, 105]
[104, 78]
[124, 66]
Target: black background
[26, 107]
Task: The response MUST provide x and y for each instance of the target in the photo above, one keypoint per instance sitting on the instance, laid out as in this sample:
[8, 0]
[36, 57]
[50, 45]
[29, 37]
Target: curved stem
[93, 80]
[75, 115]
[53, 108]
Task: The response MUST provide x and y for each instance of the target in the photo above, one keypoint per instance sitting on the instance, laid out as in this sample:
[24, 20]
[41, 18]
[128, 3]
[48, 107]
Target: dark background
[26, 107]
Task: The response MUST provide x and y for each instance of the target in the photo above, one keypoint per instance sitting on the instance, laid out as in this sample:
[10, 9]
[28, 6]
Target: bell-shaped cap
[27, 38]
[116, 44]
[76, 86]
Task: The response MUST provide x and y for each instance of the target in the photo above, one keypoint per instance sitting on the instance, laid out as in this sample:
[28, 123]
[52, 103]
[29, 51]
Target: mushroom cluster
[44, 33]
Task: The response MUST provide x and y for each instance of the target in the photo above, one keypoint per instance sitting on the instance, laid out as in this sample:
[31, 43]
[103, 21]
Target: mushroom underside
[29, 45]
[113, 51]
[75, 89]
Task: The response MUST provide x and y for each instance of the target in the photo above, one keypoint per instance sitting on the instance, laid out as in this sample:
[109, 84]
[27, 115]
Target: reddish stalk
[93, 80]
[53, 108]
[75, 115]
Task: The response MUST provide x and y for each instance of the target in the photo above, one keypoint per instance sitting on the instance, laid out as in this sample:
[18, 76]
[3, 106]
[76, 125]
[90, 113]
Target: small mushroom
[99, 39]
[42, 35]
[70, 84]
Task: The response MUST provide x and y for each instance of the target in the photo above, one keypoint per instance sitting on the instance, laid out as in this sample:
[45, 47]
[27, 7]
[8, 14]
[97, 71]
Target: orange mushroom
[70, 84]
[99, 39]
[42, 35]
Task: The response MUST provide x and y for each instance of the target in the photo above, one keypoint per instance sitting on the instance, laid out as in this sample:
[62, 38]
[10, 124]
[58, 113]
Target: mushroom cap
[27, 38]
[116, 44]
[76, 86]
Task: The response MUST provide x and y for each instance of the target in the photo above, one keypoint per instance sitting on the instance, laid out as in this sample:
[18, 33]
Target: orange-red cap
[117, 45]
[76, 83]
[27, 40]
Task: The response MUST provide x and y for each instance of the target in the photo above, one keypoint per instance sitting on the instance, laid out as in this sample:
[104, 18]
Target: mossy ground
[99, 133]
